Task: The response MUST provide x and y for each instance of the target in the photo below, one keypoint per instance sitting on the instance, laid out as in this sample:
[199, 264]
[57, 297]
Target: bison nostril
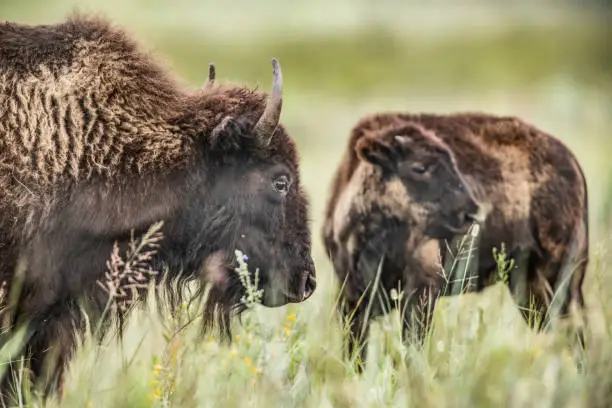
[309, 284]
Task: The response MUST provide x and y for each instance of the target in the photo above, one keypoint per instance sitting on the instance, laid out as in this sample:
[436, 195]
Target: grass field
[340, 62]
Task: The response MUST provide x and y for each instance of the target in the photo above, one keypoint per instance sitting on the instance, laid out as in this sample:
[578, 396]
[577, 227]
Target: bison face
[259, 209]
[439, 199]
[251, 200]
[248, 197]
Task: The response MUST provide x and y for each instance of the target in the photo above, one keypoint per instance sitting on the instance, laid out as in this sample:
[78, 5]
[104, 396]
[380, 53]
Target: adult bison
[98, 142]
[410, 182]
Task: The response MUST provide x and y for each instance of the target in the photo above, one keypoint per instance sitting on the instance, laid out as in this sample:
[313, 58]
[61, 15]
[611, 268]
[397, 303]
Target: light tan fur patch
[365, 190]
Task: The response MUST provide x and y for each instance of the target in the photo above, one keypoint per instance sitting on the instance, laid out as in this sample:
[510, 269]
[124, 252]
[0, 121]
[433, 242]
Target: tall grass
[479, 353]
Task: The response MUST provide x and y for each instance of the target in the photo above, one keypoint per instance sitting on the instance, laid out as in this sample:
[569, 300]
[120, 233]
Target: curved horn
[265, 127]
[211, 76]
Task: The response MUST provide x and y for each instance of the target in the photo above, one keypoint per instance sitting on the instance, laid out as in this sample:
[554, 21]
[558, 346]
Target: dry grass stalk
[125, 277]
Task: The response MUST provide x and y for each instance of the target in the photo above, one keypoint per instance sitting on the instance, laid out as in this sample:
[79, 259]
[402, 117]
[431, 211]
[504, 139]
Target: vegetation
[480, 352]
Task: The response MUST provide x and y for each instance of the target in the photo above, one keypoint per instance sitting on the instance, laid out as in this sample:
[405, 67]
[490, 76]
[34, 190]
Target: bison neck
[69, 251]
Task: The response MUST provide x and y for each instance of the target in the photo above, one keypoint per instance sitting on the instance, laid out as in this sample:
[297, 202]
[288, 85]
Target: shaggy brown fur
[531, 186]
[98, 140]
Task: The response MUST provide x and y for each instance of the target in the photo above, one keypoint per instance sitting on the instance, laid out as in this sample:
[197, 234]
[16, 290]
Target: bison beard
[411, 171]
[97, 143]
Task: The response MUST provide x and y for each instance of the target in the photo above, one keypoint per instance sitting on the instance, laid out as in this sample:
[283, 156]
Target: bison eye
[418, 168]
[281, 184]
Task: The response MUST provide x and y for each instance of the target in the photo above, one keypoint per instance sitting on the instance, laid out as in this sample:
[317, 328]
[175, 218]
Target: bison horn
[265, 127]
[211, 76]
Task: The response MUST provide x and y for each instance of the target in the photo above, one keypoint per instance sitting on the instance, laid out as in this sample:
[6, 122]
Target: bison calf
[98, 141]
[407, 184]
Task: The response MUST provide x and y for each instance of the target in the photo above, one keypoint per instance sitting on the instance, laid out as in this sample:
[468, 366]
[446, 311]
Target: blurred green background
[549, 62]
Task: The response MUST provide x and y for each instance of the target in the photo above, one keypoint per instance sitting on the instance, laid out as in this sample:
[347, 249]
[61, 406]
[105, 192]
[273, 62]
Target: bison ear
[379, 152]
[229, 135]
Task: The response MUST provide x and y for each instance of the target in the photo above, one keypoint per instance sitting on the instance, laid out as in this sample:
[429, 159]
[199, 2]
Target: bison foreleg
[45, 353]
[518, 280]
[51, 349]
[417, 313]
[356, 328]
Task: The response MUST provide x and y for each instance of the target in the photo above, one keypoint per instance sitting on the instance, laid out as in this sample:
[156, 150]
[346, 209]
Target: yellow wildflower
[291, 317]
[248, 361]
[287, 327]
[536, 352]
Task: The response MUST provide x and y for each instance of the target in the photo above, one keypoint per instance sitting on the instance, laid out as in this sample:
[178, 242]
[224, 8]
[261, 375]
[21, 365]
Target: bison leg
[566, 305]
[564, 242]
[46, 353]
[425, 281]
[576, 302]
[50, 351]
[356, 328]
[529, 286]
[365, 285]
[418, 313]
[552, 298]
[519, 282]
[578, 342]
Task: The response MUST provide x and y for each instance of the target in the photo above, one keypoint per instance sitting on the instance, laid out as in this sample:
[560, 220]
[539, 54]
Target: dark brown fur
[98, 140]
[530, 183]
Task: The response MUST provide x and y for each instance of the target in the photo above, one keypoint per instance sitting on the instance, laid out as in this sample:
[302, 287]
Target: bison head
[248, 197]
[236, 187]
[441, 201]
